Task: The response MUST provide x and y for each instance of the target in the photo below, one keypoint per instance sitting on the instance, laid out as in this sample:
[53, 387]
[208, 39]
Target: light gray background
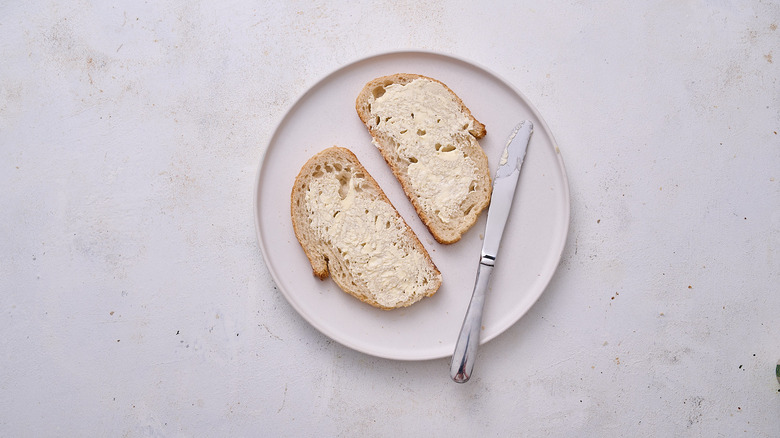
[134, 300]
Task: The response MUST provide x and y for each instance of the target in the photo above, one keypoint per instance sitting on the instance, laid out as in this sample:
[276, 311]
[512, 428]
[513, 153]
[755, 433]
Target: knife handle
[468, 340]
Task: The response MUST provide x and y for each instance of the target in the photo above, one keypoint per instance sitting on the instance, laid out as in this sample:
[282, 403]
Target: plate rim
[308, 89]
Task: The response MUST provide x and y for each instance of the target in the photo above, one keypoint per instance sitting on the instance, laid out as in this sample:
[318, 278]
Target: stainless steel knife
[504, 185]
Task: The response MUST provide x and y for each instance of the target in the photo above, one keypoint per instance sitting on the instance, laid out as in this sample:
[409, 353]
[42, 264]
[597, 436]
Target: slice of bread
[428, 137]
[348, 228]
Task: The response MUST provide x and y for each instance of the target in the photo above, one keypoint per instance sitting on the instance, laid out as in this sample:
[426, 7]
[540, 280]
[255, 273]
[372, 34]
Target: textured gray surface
[134, 300]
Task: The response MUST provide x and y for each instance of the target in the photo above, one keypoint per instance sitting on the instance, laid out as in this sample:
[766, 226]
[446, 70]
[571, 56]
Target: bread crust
[387, 145]
[324, 259]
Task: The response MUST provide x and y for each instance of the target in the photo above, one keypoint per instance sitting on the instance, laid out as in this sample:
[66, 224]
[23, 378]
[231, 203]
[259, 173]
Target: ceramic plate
[533, 240]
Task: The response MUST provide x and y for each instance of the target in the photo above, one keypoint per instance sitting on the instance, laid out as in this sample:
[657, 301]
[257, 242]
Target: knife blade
[504, 185]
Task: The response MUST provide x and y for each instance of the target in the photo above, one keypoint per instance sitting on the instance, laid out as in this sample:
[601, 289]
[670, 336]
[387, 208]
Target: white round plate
[533, 240]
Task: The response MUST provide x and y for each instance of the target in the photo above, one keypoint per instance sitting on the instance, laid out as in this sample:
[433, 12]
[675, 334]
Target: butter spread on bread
[350, 230]
[428, 137]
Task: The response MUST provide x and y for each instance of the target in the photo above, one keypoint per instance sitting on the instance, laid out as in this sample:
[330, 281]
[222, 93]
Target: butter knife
[504, 185]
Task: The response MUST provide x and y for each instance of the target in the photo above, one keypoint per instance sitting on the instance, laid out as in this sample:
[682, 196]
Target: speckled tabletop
[134, 300]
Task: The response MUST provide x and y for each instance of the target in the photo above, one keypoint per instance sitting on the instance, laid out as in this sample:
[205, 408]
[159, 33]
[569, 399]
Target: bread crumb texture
[350, 225]
[429, 138]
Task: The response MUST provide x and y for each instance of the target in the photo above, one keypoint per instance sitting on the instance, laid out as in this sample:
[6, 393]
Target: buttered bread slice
[428, 137]
[350, 230]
